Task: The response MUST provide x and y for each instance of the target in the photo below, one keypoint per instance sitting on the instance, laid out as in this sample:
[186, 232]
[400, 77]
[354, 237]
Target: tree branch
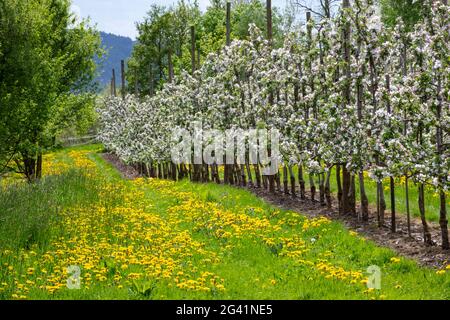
[302, 5]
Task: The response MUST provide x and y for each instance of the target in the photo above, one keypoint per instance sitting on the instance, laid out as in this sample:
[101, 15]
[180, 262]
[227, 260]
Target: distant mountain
[118, 48]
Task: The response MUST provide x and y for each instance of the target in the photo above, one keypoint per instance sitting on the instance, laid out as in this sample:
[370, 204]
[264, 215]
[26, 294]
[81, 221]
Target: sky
[119, 16]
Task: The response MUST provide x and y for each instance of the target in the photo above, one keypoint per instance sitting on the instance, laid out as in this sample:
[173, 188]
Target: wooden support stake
[122, 69]
[136, 83]
[309, 28]
[170, 66]
[150, 71]
[228, 23]
[269, 20]
[193, 49]
[114, 82]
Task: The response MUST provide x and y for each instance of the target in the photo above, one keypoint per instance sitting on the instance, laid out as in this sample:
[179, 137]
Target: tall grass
[28, 210]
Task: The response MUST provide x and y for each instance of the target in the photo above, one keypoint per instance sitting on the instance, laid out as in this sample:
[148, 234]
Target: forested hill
[118, 48]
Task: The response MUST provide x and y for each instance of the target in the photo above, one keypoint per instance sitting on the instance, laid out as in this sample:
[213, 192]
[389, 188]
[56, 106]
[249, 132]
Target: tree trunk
[278, 181]
[346, 181]
[352, 195]
[426, 231]
[237, 174]
[322, 189]
[393, 220]
[249, 174]
[257, 175]
[364, 201]
[328, 190]
[408, 213]
[39, 166]
[312, 186]
[381, 204]
[271, 184]
[291, 173]
[285, 180]
[443, 222]
[301, 182]
[243, 176]
[217, 174]
[442, 173]
[174, 172]
[160, 175]
[339, 187]
[231, 179]
[29, 165]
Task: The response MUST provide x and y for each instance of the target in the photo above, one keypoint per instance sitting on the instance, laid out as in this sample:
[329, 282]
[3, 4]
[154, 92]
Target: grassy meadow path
[156, 239]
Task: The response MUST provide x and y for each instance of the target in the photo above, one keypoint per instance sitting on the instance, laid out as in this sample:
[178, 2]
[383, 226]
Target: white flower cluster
[377, 100]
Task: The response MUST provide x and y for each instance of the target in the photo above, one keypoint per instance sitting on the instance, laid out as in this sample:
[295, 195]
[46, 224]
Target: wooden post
[196, 167]
[150, 70]
[347, 91]
[198, 57]
[173, 166]
[114, 82]
[136, 91]
[309, 35]
[327, 8]
[391, 178]
[269, 20]
[346, 177]
[308, 27]
[228, 23]
[271, 178]
[122, 69]
[193, 49]
[170, 66]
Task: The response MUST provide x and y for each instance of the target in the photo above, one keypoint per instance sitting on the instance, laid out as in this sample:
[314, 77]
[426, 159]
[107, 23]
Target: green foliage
[46, 55]
[76, 112]
[410, 11]
[161, 29]
[167, 29]
[143, 289]
[254, 12]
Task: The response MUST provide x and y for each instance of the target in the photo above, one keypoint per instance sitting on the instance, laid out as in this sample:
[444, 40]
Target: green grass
[59, 217]
[432, 204]
[27, 211]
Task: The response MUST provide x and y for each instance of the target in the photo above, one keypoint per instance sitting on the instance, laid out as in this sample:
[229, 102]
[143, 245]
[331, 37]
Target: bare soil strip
[411, 247]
